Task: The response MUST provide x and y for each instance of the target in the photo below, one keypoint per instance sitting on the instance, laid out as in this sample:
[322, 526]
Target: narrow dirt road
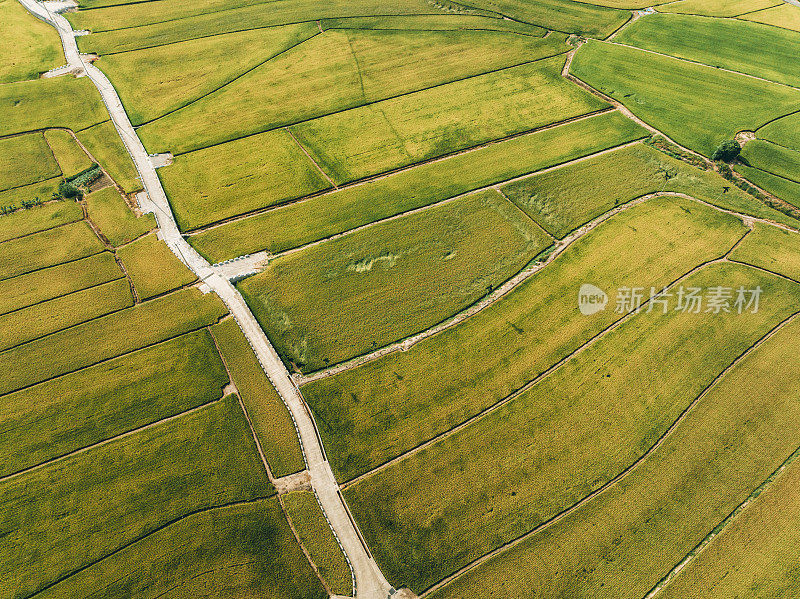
[370, 582]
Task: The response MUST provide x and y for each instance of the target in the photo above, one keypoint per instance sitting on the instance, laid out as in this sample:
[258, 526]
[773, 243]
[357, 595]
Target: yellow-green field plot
[444, 119]
[374, 413]
[622, 542]
[433, 22]
[771, 248]
[26, 159]
[47, 248]
[787, 190]
[772, 158]
[117, 222]
[716, 8]
[109, 399]
[783, 131]
[215, 183]
[687, 108]
[70, 156]
[315, 533]
[560, 440]
[331, 72]
[39, 218]
[271, 420]
[103, 141]
[153, 268]
[29, 46]
[243, 550]
[566, 198]
[745, 47]
[319, 217]
[391, 280]
[123, 491]
[783, 15]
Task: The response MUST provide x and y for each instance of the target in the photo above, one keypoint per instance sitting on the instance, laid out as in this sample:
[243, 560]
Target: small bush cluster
[26, 204]
[727, 151]
[69, 191]
[86, 176]
[662, 145]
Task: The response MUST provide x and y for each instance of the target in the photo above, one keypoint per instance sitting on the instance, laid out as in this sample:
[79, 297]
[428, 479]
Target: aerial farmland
[419, 299]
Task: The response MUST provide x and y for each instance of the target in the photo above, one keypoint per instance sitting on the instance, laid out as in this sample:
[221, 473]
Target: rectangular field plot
[47, 248]
[155, 81]
[783, 15]
[784, 131]
[107, 400]
[566, 198]
[771, 248]
[236, 177]
[444, 119]
[38, 218]
[34, 45]
[773, 159]
[787, 190]
[63, 312]
[335, 71]
[99, 501]
[70, 156]
[49, 283]
[153, 268]
[107, 337]
[114, 218]
[685, 109]
[394, 279]
[737, 45]
[271, 420]
[25, 159]
[319, 217]
[103, 141]
[553, 445]
[726, 446]
[376, 412]
[716, 8]
[318, 539]
[445, 22]
[243, 550]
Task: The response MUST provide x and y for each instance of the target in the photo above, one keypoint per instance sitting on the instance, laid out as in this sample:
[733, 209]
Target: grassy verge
[270, 417]
[316, 218]
[318, 539]
[384, 283]
[89, 406]
[373, 413]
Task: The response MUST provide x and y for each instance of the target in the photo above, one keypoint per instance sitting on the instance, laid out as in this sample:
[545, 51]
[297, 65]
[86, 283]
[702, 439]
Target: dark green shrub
[727, 151]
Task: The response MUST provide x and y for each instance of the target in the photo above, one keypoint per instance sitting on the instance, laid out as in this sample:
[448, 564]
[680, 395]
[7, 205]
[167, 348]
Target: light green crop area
[28, 46]
[773, 249]
[391, 280]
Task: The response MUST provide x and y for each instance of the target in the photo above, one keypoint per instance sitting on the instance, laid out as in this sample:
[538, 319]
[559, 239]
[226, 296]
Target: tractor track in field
[369, 580]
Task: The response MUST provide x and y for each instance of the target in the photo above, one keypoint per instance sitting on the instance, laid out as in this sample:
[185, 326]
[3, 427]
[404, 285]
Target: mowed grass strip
[179, 73]
[115, 219]
[749, 48]
[245, 550]
[394, 279]
[316, 218]
[772, 158]
[38, 218]
[444, 119]
[239, 176]
[335, 71]
[129, 27]
[63, 312]
[566, 198]
[153, 268]
[772, 248]
[371, 414]
[26, 159]
[69, 514]
[58, 102]
[756, 551]
[48, 248]
[784, 15]
[622, 542]
[70, 156]
[271, 420]
[49, 283]
[108, 399]
[716, 8]
[317, 537]
[30, 46]
[436, 511]
[103, 141]
[687, 109]
[107, 337]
